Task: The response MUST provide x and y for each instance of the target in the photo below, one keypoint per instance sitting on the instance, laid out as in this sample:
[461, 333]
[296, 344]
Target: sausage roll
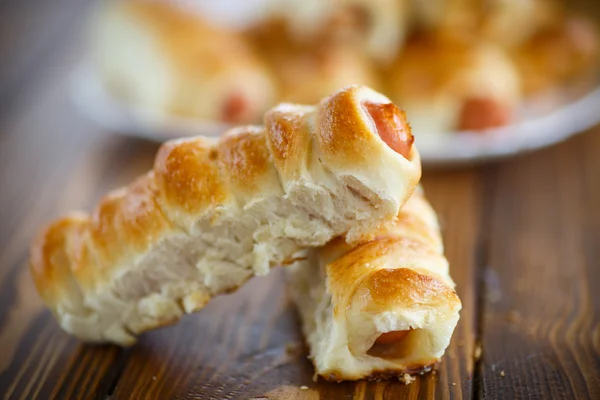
[165, 60]
[213, 213]
[306, 72]
[568, 49]
[307, 77]
[383, 308]
[377, 27]
[503, 22]
[446, 85]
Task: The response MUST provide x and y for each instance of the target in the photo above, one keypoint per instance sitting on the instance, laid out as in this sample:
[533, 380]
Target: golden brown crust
[397, 281]
[125, 221]
[343, 137]
[375, 268]
[188, 176]
[348, 138]
[135, 249]
[142, 218]
[364, 260]
[245, 156]
[49, 258]
[288, 140]
[380, 290]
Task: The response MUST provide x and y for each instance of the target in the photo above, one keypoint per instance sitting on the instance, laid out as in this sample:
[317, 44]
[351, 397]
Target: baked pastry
[306, 77]
[511, 23]
[306, 72]
[505, 23]
[165, 60]
[214, 213]
[446, 85]
[378, 27]
[383, 308]
[567, 49]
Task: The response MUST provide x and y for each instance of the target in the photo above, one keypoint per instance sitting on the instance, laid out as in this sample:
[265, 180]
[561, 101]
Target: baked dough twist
[447, 85]
[375, 27]
[214, 213]
[165, 61]
[383, 308]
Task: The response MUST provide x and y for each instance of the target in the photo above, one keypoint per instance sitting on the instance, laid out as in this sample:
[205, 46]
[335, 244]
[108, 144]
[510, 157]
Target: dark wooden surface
[522, 237]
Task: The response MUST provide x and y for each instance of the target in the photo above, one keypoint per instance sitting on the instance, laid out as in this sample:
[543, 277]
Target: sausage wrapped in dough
[377, 27]
[213, 213]
[163, 59]
[448, 85]
[383, 308]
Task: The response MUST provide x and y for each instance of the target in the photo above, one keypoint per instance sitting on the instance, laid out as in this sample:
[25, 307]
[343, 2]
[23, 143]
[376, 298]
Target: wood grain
[458, 198]
[541, 329]
[38, 358]
[51, 160]
[248, 344]
[522, 237]
[243, 345]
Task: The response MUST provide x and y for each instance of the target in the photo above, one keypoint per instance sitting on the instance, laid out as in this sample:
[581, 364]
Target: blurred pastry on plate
[504, 22]
[306, 72]
[166, 60]
[447, 85]
[306, 77]
[382, 308]
[215, 212]
[378, 27]
[568, 49]
[510, 23]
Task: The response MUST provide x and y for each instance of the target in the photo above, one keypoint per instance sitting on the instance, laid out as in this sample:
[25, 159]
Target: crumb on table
[407, 379]
[477, 351]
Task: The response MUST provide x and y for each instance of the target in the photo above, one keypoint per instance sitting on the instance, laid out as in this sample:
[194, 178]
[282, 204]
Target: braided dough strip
[212, 214]
[384, 308]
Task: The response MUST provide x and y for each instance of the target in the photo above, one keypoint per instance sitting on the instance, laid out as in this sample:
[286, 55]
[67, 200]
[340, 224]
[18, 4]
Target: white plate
[541, 122]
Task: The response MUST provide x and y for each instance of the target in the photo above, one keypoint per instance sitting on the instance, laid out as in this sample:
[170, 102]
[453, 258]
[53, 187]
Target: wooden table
[522, 237]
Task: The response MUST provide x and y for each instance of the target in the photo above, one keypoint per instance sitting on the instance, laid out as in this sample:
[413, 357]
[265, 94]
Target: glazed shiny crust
[213, 213]
[348, 295]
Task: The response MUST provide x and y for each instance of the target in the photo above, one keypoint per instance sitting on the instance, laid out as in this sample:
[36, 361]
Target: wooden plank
[249, 344]
[51, 160]
[542, 310]
[541, 331]
[38, 359]
[30, 33]
[458, 198]
[69, 164]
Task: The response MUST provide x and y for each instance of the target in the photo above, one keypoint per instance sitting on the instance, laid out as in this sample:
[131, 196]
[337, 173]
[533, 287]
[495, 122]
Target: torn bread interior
[213, 213]
[383, 308]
